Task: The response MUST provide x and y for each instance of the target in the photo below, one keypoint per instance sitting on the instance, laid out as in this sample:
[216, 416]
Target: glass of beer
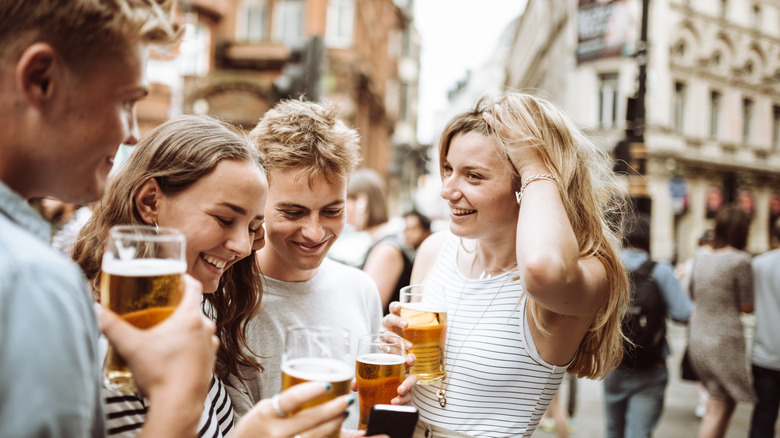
[380, 368]
[424, 307]
[142, 281]
[318, 354]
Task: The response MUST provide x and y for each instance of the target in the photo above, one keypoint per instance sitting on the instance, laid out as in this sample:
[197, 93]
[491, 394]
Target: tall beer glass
[142, 281]
[318, 354]
[380, 368]
[424, 307]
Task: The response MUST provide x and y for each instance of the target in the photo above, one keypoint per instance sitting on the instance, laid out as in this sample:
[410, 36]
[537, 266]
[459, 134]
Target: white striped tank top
[497, 385]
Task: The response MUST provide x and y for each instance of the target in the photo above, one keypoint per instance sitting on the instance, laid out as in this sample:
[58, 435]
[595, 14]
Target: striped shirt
[496, 384]
[127, 413]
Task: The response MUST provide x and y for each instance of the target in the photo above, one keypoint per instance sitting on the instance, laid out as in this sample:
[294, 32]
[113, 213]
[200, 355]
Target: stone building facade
[712, 125]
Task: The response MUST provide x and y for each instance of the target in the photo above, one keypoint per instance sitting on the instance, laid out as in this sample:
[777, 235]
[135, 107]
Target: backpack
[645, 323]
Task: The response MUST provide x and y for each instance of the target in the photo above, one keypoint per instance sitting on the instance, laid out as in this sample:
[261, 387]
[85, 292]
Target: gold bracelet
[546, 176]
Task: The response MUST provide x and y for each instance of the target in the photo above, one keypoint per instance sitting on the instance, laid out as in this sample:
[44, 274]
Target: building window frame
[252, 21]
[776, 127]
[716, 109]
[747, 119]
[340, 23]
[288, 22]
[678, 106]
[608, 100]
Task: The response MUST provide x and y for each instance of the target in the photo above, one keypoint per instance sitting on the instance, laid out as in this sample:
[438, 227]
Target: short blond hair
[85, 31]
[296, 134]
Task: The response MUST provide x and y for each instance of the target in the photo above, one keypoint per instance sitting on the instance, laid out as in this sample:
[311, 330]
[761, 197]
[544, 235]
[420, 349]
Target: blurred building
[710, 134]
[239, 57]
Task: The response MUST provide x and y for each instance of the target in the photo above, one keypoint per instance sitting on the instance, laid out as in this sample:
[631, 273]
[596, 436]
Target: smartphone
[396, 421]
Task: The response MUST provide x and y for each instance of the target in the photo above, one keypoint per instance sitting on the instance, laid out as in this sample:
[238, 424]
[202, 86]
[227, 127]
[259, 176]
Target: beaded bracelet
[548, 177]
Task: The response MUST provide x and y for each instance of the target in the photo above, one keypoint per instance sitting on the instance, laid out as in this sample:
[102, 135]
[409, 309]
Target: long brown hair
[591, 196]
[177, 154]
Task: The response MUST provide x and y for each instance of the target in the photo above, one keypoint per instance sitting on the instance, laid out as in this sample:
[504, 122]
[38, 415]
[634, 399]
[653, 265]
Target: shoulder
[767, 259]
[428, 253]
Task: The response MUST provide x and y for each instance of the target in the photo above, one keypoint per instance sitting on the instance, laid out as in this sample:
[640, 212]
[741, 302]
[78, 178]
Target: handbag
[686, 370]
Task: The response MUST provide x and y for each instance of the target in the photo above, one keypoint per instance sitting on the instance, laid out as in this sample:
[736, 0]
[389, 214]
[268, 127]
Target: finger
[111, 324]
[391, 321]
[327, 416]
[411, 359]
[395, 307]
[295, 397]
[405, 391]
[354, 385]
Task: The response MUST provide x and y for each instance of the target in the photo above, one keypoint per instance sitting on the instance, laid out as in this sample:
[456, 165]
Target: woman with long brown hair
[200, 176]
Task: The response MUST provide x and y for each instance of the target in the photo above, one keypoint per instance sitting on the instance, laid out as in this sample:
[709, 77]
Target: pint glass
[142, 281]
[424, 307]
[318, 354]
[380, 368]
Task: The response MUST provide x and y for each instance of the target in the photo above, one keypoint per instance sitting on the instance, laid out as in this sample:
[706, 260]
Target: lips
[461, 211]
[217, 263]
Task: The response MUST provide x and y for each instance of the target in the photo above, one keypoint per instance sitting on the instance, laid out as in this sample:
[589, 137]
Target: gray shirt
[766, 287]
[49, 369]
[337, 296]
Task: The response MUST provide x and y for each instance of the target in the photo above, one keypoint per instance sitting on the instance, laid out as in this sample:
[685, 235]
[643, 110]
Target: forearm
[172, 416]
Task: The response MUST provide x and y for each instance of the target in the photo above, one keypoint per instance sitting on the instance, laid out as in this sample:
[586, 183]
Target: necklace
[441, 394]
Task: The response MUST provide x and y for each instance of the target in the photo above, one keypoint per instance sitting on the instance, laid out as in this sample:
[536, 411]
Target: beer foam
[382, 359]
[143, 267]
[426, 307]
[318, 369]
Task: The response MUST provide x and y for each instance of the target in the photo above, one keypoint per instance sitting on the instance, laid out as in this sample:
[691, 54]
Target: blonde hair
[177, 154]
[306, 135]
[591, 197]
[85, 31]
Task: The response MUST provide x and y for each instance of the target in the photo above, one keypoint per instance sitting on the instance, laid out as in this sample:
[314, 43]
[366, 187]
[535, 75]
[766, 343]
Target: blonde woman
[534, 282]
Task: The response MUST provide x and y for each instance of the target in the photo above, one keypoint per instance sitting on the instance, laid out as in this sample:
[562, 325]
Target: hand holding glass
[424, 307]
[142, 281]
[380, 368]
[318, 354]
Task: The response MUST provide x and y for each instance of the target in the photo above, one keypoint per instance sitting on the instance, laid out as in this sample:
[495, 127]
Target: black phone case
[396, 421]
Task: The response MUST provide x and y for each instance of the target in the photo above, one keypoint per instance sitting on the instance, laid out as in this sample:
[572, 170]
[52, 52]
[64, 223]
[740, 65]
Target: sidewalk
[677, 420]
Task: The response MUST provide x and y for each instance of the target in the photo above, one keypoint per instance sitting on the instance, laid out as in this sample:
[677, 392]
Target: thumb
[113, 326]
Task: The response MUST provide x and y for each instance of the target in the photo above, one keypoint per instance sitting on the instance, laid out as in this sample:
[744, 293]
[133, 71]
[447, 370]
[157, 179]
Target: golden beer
[318, 369]
[378, 377]
[427, 331]
[144, 292]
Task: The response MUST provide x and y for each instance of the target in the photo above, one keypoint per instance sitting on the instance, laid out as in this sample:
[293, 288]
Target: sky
[457, 36]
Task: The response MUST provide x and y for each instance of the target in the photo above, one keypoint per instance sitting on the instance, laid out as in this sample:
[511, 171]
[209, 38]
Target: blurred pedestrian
[634, 392]
[683, 274]
[417, 228]
[766, 340]
[722, 287]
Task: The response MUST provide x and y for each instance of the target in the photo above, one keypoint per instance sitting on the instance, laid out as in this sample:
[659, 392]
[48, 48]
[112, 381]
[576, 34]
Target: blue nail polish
[328, 386]
[350, 400]
[346, 414]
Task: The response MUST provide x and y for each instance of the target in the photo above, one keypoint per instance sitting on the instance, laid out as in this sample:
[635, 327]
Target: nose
[240, 243]
[313, 229]
[449, 189]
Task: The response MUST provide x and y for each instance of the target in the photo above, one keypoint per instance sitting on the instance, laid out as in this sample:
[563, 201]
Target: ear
[147, 201]
[36, 72]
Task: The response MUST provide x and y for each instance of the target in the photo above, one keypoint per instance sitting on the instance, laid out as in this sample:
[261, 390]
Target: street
[678, 419]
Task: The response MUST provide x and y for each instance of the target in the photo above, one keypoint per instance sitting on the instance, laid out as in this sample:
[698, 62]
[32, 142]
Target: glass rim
[368, 336]
[146, 232]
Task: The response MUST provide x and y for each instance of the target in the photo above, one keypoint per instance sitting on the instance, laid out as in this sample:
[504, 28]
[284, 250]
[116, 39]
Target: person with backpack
[634, 392]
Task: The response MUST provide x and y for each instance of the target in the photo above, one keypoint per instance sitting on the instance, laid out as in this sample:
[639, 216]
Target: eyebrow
[294, 205]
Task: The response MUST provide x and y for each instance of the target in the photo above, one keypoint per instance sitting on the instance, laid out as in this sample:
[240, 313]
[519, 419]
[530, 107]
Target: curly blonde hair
[592, 198]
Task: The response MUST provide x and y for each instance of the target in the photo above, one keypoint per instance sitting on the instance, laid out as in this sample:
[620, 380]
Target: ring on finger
[277, 409]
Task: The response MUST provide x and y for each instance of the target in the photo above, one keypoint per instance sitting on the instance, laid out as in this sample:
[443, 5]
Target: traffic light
[302, 72]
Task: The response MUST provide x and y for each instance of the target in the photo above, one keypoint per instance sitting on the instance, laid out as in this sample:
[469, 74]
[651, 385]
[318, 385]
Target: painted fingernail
[346, 414]
[350, 399]
[328, 386]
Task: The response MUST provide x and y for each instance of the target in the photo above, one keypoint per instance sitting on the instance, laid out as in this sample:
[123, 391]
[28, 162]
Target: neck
[487, 261]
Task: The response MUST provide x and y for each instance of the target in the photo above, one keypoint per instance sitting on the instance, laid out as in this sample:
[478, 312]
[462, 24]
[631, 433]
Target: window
[608, 91]
[288, 22]
[755, 17]
[678, 110]
[747, 117]
[194, 52]
[715, 108]
[253, 20]
[340, 23]
[776, 127]
[723, 8]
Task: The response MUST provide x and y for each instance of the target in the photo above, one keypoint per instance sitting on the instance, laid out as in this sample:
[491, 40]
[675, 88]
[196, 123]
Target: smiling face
[477, 185]
[221, 216]
[303, 222]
